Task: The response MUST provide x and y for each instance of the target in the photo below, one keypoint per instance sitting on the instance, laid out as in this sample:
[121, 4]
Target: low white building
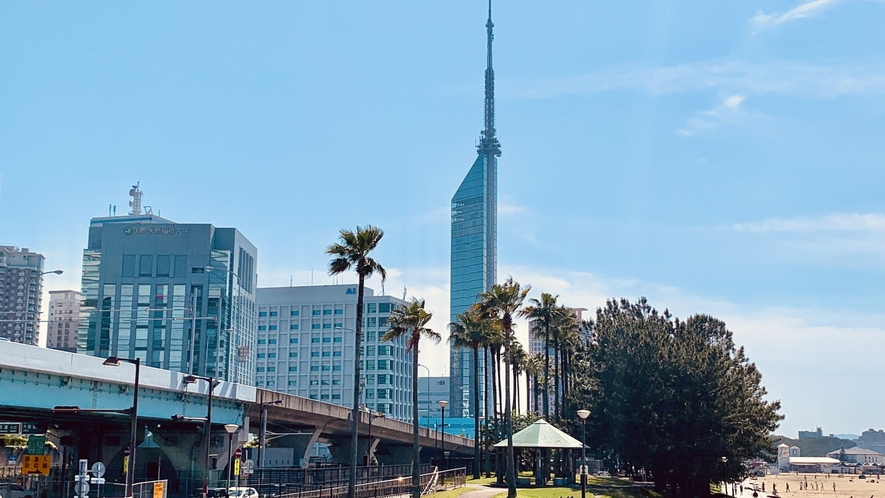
[814, 465]
[859, 455]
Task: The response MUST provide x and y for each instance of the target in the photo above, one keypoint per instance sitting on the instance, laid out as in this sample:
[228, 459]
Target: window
[262, 341]
[293, 340]
[262, 327]
[271, 355]
[383, 350]
[314, 382]
[273, 327]
[372, 321]
[271, 341]
[327, 354]
[271, 369]
[371, 307]
[293, 382]
[293, 368]
[339, 311]
[382, 393]
[336, 353]
[259, 369]
[370, 394]
[314, 354]
[315, 326]
[336, 396]
[384, 308]
[327, 339]
[336, 382]
[274, 313]
[383, 364]
[327, 312]
[293, 354]
[327, 325]
[314, 368]
[261, 355]
[262, 313]
[337, 339]
[370, 350]
[295, 313]
[370, 336]
[325, 368]
[370, 365]
[316, 312]
[270, 383]
[382, 322]
[382, 380]
[294, 326]
[339, 325]
[314, 340]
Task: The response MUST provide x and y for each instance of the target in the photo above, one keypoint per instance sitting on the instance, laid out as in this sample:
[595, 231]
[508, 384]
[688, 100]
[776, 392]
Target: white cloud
[808, 9]
[871, 222]
[730, 76]
[725, 113]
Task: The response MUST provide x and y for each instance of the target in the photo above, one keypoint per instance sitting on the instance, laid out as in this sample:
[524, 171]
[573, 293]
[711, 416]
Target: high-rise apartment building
[306, 344]
[64, 315]
[21, 290]
[474, 245]
[179, 296]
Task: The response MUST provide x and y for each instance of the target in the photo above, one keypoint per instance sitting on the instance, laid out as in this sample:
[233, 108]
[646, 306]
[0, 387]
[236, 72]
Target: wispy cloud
[730, 76]
[808, 9]
[872, 223]
[712, 119]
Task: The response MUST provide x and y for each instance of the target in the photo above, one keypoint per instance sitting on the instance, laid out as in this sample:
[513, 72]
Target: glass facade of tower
[473, 271]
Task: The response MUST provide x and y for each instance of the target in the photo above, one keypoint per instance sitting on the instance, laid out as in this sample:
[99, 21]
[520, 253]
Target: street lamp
[262, 434]
[114, 361]
[442, 405]
[724, 481]
[28, 299]
[369, 453]
[583, 414]
[231, 430]
[212, 383]
[428, 390]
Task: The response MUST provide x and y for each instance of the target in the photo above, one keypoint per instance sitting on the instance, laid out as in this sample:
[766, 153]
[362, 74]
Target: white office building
[64, 315]
[305, 347]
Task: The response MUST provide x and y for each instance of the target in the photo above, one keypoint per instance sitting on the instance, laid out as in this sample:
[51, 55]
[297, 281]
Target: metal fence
[431, 482]
[276, 482]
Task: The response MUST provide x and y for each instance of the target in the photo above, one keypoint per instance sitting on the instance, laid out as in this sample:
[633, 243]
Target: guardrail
[431, 482]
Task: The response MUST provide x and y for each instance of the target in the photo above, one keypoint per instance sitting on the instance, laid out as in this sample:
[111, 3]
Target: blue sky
[717, 157]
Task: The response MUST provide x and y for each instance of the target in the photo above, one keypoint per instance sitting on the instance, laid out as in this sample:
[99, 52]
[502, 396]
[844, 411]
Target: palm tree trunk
[355, 412]
[475, 411]
[556, 398]
[416, 449]
[547, 369]
[511, 464]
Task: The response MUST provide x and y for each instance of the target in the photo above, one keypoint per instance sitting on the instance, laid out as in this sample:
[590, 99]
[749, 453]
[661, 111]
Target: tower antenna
[488, 142]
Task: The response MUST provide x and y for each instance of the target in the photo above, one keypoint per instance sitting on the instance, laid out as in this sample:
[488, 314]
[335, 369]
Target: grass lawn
[452, 493]
[598, 487]
[481, 480]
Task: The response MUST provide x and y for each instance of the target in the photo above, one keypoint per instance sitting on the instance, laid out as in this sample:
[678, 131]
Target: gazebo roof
[541, 435]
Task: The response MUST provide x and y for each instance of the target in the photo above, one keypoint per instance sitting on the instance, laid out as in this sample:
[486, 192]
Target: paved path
[482, 491]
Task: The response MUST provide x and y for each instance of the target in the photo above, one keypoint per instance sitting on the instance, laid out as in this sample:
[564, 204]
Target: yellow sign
[236, 466]
[36, 464]
[158, 490]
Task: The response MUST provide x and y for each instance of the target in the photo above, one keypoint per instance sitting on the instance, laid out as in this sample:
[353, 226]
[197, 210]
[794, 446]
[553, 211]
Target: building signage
[155, 230]
[351, 290]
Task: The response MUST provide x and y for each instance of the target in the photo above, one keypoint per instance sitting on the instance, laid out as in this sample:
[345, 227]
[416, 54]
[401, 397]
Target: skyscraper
[474, 245]
[21, 289]
[178, 296]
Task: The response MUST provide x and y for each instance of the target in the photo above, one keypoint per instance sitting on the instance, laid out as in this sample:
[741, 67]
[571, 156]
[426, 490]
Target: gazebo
[541, 435]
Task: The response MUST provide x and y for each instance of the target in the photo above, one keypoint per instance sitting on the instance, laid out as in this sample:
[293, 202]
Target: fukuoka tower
[474, 247]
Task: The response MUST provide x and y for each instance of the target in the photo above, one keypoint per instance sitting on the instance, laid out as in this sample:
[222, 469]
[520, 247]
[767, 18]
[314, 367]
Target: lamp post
[114, 361]
[428, 390]
[212, 383]
[583, 414]
[369, 453]
[442, 438]
[724, 480]
[262, 436]
[28, 301]
[231, 430]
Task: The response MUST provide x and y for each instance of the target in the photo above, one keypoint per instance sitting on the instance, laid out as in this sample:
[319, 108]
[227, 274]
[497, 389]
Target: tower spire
[488, 143]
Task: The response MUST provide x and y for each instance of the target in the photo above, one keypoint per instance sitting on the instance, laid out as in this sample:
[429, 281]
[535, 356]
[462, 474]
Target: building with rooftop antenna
[474, 245]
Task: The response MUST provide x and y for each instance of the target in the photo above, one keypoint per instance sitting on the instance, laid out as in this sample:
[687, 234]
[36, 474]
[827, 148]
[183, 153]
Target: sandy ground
[847, 486]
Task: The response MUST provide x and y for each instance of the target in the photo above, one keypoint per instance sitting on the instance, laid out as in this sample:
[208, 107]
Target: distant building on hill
[872, 440]
[816, 434]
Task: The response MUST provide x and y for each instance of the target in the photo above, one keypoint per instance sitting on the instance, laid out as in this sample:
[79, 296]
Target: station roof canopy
[541, 435]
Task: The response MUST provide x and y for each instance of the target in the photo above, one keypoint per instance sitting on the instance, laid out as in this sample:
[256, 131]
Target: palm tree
[518, 358]
[470, 331]
[352, 252]
[534, 369]
[411, 320]
[502, 303]
[543, 310]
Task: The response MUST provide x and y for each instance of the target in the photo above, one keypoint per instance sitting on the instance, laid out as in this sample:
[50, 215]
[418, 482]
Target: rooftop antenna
[290, 280]
[404, 292]
[135, 203]
[488, 142]
[311, 277]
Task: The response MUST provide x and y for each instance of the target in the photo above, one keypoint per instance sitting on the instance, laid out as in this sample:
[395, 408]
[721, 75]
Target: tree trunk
[546, 371]
[355, 412]
[476, 411]
[416, 449]
[511, 464]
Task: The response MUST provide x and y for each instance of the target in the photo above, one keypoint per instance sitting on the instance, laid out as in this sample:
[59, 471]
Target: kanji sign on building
[36, 464]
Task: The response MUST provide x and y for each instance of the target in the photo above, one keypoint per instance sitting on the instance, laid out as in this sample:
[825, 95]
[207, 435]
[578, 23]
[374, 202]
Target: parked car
[242, 493]
[15, 491]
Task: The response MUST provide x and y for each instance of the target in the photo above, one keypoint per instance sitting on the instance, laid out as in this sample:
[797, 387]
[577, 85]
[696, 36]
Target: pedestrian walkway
[482, 491]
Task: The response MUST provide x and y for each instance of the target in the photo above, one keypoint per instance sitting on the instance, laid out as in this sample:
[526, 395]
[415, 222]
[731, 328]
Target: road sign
[10, 427]
[238, 453]
[236, 466]
[97, 480]
[98, 469]
[36, 464]
[36, 445]
[158, 490]
[248, 467]
[31, 428]
[81, 488]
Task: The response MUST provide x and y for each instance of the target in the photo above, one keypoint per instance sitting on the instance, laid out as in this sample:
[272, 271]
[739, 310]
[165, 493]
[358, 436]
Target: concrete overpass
[34, 380]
